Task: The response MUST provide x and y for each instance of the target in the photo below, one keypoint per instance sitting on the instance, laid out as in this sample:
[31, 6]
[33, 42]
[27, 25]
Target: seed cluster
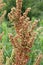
[25, 33]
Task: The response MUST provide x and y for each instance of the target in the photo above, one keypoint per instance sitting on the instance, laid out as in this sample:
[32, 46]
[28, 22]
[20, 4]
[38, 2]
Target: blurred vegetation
[36, 13]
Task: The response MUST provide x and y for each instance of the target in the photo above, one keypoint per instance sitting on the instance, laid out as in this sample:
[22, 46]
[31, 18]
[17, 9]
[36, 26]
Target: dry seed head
[1, 57]
[13, 9]
[26, 12]
[22, 25]
[1, 5]
[1, 1]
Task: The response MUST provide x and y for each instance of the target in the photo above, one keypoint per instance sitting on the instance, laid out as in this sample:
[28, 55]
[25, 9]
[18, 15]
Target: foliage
[7, 27]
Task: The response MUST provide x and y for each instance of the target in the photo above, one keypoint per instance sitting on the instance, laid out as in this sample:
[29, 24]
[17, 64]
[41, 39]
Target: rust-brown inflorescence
[1, 51]
[25, 36]
[2, 4]
[1, 57]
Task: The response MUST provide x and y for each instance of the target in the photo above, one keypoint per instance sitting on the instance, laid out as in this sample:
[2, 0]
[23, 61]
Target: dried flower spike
[24, 39]
[1, 57]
